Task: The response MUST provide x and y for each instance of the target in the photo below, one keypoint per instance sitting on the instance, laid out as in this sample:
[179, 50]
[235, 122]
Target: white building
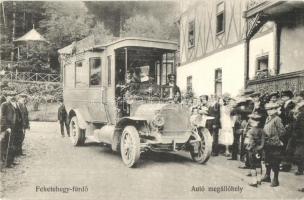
[214, 58]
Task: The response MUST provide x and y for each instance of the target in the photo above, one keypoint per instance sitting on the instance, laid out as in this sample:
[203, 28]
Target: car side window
[95, 71]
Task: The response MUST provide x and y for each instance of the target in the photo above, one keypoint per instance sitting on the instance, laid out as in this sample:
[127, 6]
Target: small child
[256, 139]
[274, 130]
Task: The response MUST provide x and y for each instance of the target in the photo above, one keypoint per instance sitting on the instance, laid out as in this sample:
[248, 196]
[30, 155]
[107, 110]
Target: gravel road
[54, 169]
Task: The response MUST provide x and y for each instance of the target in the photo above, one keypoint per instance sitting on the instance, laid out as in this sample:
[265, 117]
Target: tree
[17, 18]
[64, 23]
[114, 14]
[149, 26]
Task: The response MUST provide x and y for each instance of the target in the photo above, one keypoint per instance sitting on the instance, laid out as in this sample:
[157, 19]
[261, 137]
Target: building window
[191, 34]
[80, 75]
[189, 84]
[109, 71]
[218, 82]
[220, 18]
[262, 67]
[95, 71]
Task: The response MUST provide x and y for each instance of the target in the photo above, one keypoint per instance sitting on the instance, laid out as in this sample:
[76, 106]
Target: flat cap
[171, 75]
[255, 94]
[269, 106]
[276, 94]
[255, 116]
[287, 93]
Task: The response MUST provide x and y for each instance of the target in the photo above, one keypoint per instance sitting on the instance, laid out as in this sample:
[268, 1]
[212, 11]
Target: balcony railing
[255, 3]
[293, 81]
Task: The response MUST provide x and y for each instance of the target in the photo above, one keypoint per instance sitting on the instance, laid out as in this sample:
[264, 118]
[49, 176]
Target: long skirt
[226, 136]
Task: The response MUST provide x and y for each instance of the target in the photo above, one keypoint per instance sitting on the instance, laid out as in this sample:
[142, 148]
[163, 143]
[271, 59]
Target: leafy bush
[38, 93]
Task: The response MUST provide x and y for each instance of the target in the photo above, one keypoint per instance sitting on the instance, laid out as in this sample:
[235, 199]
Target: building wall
[207, 41]
[225, 50]
[203, 72]
[291, 49]
[261, 46]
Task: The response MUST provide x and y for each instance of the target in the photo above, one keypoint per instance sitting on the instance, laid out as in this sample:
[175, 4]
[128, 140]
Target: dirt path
[94, 172]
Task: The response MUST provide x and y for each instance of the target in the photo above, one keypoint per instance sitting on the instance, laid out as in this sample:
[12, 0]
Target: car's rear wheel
[130, 146]
[205, 146]
[77, 134]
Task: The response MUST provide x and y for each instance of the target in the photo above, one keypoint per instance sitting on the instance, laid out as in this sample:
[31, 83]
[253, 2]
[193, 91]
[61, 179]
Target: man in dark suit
[11, 125]
[26, 124]
[172, 90]
[2, 99]
[62, 118]
[287, 119]
[213, 125]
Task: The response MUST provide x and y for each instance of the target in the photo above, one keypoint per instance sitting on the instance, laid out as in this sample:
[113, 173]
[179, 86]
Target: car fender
[119, 128]
[81, 121]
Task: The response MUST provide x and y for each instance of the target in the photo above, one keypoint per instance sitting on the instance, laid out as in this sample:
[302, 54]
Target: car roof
[125, 42]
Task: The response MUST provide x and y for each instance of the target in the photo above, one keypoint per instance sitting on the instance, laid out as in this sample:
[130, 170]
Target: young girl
[256, 138]
[226, 131]
[274, 130]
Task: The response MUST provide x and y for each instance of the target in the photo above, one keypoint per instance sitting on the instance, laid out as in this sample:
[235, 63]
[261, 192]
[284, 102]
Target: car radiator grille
[176, 122]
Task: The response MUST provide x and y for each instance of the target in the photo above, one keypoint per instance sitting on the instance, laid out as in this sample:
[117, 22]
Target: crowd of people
[14, 123]
[253, 128]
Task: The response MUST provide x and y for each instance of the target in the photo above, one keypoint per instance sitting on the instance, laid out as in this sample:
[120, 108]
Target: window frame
[259, 72]
[187, 83]
[191, 22]
[75, 72]
[260, 58]
[218, 79]
[109, 70]
[218, 13]
[90, 85]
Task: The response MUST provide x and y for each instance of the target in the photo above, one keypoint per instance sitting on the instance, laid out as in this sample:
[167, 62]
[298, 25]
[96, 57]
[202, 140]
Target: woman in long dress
[226, 131]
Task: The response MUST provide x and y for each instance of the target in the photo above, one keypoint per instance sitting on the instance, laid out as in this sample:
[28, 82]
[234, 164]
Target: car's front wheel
[205, 146]
[76, 133]
[130, 146]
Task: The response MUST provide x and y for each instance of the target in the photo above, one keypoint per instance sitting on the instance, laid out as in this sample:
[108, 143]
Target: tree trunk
[14, 29]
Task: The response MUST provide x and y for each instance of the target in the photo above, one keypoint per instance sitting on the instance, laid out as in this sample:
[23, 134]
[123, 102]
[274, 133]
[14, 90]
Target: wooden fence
[29, 77]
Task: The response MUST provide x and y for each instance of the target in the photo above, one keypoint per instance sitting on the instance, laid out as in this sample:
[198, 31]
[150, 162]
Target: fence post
[36, 77]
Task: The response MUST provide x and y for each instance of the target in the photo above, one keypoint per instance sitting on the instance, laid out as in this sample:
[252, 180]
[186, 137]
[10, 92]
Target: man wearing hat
[259, 106]
[62, 118]
[274, 130]
[130, 76]
[244, 107]
[215, 124]
[11, 125]
[273, 97]
[287, 120]
[26, 125]
[173, 91]
[298, 137]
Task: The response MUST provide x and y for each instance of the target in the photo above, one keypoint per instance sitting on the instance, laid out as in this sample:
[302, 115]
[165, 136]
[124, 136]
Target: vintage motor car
[135, 116]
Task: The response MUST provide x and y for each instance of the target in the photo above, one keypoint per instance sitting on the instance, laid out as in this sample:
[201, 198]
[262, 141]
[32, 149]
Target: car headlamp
[158, 120]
